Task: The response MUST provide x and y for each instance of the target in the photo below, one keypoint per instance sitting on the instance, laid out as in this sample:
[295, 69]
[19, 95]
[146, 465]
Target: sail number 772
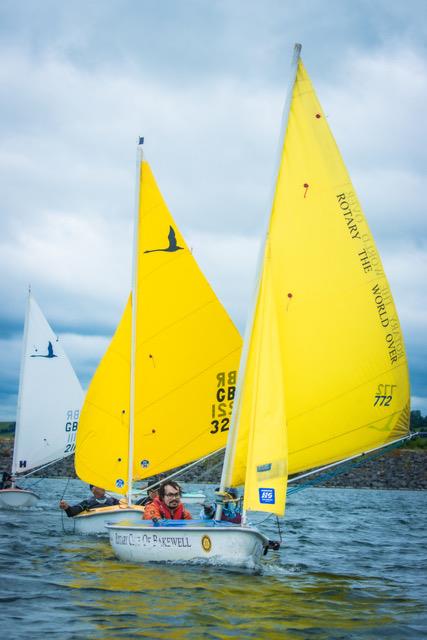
[384, 395]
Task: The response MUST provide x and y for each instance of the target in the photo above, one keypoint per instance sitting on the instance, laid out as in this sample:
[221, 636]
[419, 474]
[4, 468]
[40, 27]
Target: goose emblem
[173, 246]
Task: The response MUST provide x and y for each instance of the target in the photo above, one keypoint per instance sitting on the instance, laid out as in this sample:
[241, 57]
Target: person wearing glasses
[167, 505]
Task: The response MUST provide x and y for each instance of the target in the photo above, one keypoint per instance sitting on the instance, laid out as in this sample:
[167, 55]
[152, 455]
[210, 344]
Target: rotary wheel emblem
[206, 543]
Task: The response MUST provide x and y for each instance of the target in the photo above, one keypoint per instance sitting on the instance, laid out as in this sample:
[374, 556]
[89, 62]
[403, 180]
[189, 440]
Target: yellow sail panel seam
[166, 328]
[102, 410]
[165, 263]
[186, 382]
[343, 434]
[348, 391]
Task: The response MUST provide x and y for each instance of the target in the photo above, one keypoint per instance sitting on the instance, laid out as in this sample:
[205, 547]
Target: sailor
[231, 507]
[99, 499]
[6, 482]
[167, 505]
[153, 491]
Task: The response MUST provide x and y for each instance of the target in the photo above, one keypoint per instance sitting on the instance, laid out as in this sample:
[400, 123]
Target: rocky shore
[398, 469]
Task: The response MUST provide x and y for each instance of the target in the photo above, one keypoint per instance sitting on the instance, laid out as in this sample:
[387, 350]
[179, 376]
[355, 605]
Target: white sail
[50, 397]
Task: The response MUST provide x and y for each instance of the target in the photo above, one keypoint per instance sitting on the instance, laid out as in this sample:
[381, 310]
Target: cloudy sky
[204, 81]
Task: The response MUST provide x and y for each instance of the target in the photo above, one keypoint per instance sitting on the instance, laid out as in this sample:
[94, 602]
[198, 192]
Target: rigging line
[66, 485]
[357, 455]
[62, 510]
[193, 464]
[345, 467]
[37, 469]
[184, 446]
[279, 529]
[265, 519]
[34, 484]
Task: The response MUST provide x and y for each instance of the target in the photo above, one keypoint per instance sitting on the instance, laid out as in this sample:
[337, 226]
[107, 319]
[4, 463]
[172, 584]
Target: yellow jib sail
[343, 365]
[187, 355]
[261, 407]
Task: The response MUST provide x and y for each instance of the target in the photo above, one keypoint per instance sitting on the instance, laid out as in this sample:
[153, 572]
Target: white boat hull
[15, 498]
[193, 498]
[93, 522]
[188, 542]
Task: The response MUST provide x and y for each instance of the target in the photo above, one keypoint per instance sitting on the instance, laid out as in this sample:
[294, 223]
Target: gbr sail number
[221, 409]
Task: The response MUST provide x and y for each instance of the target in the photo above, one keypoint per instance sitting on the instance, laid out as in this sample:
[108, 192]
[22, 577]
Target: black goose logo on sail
[49, 354]
[173, 246]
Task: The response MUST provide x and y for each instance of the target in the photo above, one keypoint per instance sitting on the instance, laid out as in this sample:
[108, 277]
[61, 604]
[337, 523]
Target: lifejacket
[157, 508]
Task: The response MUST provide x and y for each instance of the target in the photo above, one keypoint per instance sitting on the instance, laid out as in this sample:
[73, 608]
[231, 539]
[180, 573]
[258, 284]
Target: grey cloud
[205, 83]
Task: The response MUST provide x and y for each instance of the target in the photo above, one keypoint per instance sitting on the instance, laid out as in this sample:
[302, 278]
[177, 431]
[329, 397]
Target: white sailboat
[49, 402]
[323, 375]
[162, 394]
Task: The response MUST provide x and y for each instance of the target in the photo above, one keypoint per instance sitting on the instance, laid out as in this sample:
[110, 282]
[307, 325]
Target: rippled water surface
[352, 565]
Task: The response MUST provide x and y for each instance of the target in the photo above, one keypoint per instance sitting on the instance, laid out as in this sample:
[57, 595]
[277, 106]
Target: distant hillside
[7, 428]
[398, 469]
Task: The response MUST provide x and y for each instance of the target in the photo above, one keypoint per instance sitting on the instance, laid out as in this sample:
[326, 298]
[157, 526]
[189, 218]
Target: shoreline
[397, 469]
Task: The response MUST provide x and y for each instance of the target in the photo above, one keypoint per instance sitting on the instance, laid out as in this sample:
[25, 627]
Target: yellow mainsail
[187, 352]
[343, 371]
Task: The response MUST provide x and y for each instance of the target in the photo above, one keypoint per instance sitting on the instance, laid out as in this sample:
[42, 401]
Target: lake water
[352, 565]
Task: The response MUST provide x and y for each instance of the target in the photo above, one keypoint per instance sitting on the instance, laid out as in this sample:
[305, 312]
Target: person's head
[153, 483]
[98, 492]
[170, 494]
[6, 480]
[231, 494]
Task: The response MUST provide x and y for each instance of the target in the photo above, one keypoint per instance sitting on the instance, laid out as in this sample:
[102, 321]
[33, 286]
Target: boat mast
[139, 158]
[21, 384]
[233, 433]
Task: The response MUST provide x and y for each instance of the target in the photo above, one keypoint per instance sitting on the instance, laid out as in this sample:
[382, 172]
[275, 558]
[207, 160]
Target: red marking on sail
[289, 295]
[318, 115]
[305, 187]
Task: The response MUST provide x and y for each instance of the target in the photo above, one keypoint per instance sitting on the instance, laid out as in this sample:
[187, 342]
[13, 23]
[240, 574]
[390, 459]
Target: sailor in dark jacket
[152, 491]
[99, 500]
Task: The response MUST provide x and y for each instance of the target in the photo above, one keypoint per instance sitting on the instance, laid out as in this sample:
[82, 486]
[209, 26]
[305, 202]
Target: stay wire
[62, 510]
[344, 468]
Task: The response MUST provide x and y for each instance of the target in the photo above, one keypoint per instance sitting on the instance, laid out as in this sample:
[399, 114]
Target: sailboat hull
[93, 522]
[15, 498]
[211, 542]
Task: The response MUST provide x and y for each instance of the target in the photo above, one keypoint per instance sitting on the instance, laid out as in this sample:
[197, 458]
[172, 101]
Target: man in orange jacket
[167, 505]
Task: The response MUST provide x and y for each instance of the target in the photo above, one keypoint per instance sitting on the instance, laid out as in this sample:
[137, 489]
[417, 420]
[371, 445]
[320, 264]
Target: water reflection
[124, 600]
[337, 576]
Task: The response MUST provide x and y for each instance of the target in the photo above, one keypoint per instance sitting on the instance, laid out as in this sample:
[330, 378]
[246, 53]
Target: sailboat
[49, 402]
[323, 375]
[163, 393]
